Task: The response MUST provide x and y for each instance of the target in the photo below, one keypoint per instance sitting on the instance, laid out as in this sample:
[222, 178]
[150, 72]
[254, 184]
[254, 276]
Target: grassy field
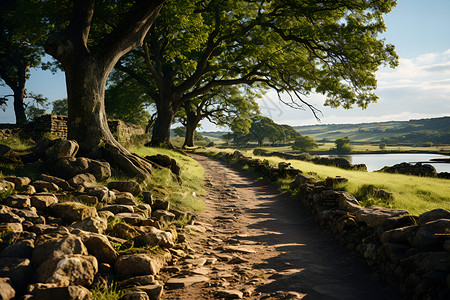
[183, 195]
[416, 194]
[359, 148]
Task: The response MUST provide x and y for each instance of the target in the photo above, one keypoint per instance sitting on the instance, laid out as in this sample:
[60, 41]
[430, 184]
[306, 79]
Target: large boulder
[72, 269]
[118, 208]
[85, 180]
[433, 215]
[125, 198]
[6, 290]
[18, 201]
[91, 224]
[418, 169]
[68, 167]
[19, 270]
[45, 186]
[132, 187]
[100, 169]
[53, 292]
[63, 148]
[73, 211]
[375, 216]
[103, 194]
[140, 264]
[165, 161]
[154, 237]
[57, 247]
[404, 235]
[432, 235]
[348, 202]
[43, 201]
[20, 249]
[99, 246]
[61, 183]
[19, 182]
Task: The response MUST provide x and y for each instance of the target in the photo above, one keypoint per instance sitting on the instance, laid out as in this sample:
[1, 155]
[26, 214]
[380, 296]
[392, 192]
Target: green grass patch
[111, 292]
[182, 194]
[17, 144]
[416, 194]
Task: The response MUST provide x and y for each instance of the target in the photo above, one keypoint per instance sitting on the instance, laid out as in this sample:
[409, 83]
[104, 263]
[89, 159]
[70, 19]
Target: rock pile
[411, 253]
[64, 233]
[417, 169]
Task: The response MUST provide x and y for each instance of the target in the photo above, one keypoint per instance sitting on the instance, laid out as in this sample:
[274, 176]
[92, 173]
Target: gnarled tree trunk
[161, 128]
[19, 95]
[192, 120]
[86, 73]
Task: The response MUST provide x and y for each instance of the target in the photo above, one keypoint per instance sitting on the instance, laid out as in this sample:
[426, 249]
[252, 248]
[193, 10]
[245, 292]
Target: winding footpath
[252, 242]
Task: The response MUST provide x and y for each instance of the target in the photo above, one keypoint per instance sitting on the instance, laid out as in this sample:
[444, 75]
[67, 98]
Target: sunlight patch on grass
[416, 194]
[164, 185]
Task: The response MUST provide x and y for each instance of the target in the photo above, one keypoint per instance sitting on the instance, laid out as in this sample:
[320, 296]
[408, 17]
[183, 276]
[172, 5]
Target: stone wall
[411, 253]
[56, 126]
[124, 132]
[327, 161]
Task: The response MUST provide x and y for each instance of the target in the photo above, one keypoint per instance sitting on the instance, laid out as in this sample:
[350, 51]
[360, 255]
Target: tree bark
[192, 120]
[161, 129]
[19, 95]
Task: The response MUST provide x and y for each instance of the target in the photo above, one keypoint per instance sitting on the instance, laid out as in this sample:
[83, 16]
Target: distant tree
[223, 106]
[264, 128]
[36, 107]
[229, 136]
[60, 107]
[181, 131]
[343, 145]
[290, 133]
[20, 31]
[382, 146]
[304, 143]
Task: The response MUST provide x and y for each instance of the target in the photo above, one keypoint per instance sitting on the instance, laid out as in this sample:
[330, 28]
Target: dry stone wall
[411, 253]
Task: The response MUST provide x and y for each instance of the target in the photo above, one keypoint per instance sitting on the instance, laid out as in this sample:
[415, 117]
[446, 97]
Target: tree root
[127, 163]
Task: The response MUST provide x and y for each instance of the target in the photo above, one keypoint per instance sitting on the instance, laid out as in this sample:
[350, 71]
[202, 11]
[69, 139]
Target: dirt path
[266, 246]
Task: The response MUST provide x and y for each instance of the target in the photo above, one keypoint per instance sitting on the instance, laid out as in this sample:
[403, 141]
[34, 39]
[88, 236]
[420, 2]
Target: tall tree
[88, 47]
[20, 31]
[295, 47]
[304, 143]
[222, 106]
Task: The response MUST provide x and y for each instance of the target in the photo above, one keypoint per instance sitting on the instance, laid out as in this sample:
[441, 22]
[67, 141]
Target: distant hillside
[436, 130]
[214, 136]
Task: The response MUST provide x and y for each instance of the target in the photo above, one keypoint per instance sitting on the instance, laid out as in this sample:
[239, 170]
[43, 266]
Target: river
[378, 161]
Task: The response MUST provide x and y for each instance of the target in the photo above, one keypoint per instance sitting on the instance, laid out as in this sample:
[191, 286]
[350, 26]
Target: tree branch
[130, 31]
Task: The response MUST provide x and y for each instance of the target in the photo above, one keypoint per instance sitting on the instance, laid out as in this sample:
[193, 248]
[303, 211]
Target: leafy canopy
[304, 143]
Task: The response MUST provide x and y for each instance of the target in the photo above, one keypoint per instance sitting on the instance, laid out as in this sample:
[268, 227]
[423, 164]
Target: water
[378, 161]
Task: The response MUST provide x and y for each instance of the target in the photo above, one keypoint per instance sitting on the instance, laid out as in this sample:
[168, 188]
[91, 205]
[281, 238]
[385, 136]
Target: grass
[111, 292]
[182, 195]
[416, 194]
[17, 144]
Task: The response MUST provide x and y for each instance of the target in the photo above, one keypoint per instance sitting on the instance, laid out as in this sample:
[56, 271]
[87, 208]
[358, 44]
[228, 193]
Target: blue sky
[418, 88]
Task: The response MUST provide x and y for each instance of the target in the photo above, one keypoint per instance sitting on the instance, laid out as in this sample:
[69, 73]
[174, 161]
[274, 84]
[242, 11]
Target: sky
[418, 88]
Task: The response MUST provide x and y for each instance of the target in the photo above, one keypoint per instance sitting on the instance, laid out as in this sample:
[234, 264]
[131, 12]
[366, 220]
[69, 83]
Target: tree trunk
[19, 95]
[87, 123]
[19, 109]
[161, 129]
[192, 120]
